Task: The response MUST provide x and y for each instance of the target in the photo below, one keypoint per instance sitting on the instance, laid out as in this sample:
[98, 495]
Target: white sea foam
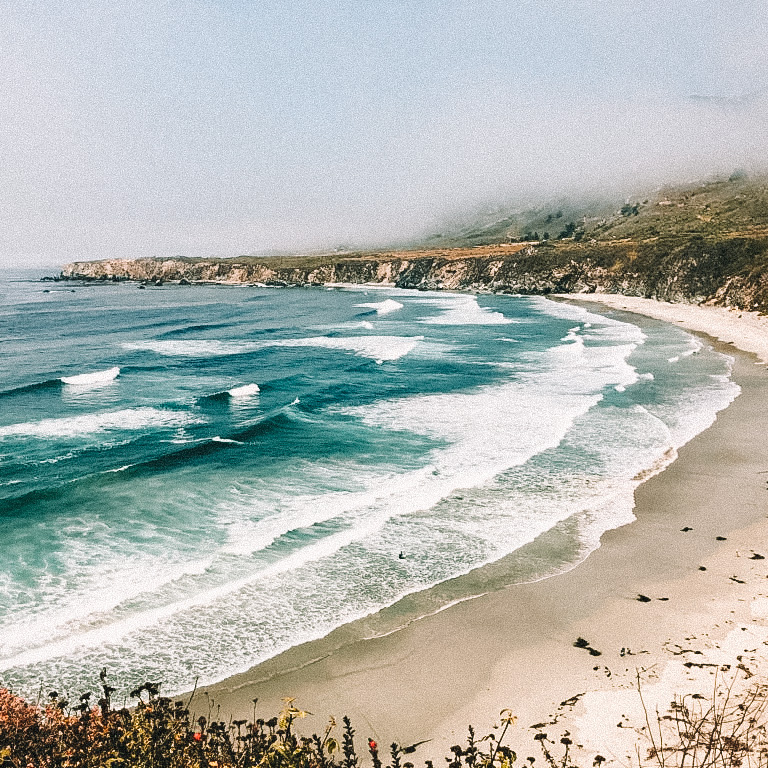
[344, 327]
[192, 347]
[694, 347]
[293, 509]
[92, 379]
[593, 327]
[493, 428]
[386, 494]
[115, 631]
[94, 423]
[375, 347]
[382, 307]
[62, 621]
[246, 390]
[693, 413]
[464, 310]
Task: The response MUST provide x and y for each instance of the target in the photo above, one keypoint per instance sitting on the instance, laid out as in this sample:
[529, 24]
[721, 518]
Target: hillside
[698, 243]
[710, 209]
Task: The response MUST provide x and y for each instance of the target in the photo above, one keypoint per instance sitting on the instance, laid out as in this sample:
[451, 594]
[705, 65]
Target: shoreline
[514, 648]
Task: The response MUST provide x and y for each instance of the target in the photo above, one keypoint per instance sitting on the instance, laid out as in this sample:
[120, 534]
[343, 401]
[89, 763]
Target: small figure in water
[401, 556]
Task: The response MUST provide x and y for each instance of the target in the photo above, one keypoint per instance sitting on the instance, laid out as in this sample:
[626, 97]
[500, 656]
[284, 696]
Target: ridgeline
[704, 243]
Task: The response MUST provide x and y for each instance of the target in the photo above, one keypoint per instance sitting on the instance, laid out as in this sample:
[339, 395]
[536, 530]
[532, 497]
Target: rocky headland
[706, 244]
[725, 272]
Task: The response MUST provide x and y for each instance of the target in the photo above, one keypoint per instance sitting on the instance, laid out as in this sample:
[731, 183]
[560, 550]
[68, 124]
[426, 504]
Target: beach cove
[684, 584]
[221, 476]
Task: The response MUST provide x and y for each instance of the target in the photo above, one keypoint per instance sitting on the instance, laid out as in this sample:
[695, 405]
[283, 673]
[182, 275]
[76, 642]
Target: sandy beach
[676, 600]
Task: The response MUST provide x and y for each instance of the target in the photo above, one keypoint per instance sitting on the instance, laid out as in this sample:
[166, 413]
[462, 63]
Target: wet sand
[514, 648]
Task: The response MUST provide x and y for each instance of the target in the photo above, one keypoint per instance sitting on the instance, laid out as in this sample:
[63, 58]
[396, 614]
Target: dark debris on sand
[580, 642]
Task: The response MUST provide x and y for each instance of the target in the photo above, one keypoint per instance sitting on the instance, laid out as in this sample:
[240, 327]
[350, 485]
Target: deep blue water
[162, 516]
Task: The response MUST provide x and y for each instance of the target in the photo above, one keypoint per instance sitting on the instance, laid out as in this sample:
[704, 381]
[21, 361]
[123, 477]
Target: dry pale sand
[514, 648]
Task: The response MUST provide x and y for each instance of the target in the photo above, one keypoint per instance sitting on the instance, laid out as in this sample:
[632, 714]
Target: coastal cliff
[704, 243]
[724, 271]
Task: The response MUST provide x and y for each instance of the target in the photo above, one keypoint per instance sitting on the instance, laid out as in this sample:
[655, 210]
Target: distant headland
[698, 244]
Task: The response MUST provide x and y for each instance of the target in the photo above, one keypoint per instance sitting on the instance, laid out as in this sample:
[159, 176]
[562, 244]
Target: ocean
[196, 478]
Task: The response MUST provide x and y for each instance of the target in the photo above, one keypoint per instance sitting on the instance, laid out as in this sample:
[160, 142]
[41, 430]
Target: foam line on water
[295, 511]
[58, 621]
[464, 310]
[117, 630]
[192, 347]
[344, 327]
[694, 346]
[94, 423]
[374, 347]
[400, 493]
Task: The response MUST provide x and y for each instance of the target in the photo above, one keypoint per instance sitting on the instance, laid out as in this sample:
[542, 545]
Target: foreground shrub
[161, 733]
[728, 730]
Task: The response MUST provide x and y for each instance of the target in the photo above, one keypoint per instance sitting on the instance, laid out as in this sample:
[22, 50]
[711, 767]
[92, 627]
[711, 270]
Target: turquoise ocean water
[195, 478]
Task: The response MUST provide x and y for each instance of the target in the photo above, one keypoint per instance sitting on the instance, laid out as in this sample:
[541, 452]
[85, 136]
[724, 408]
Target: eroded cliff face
[729, 273]
[469, 274]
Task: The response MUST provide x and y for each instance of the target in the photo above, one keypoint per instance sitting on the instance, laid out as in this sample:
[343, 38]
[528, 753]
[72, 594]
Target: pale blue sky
[133, 128]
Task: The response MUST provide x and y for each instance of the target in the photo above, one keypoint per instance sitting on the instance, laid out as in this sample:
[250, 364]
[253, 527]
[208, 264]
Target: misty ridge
[223, 128]
[478, 168]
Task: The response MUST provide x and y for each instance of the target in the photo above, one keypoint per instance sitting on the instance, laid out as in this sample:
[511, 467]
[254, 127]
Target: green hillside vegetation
[710, 209]
[705, 242]
[716, 209]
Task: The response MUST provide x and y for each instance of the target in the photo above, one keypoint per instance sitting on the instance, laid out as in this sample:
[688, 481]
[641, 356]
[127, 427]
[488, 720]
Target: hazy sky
[220, 127]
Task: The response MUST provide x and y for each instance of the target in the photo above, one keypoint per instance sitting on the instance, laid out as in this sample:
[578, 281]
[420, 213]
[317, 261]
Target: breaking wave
[374, 347]
[382, 307]
[93, 423]
[92, 379]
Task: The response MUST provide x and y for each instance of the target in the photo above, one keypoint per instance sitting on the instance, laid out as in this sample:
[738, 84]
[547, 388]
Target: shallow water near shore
[194, 479]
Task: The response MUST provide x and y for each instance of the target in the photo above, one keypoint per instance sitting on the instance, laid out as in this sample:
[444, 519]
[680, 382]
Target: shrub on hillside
[161, 733]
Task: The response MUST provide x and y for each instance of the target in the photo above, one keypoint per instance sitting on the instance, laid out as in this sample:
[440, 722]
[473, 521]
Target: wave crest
[382, 307]
[93, 423]
[92, 379]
